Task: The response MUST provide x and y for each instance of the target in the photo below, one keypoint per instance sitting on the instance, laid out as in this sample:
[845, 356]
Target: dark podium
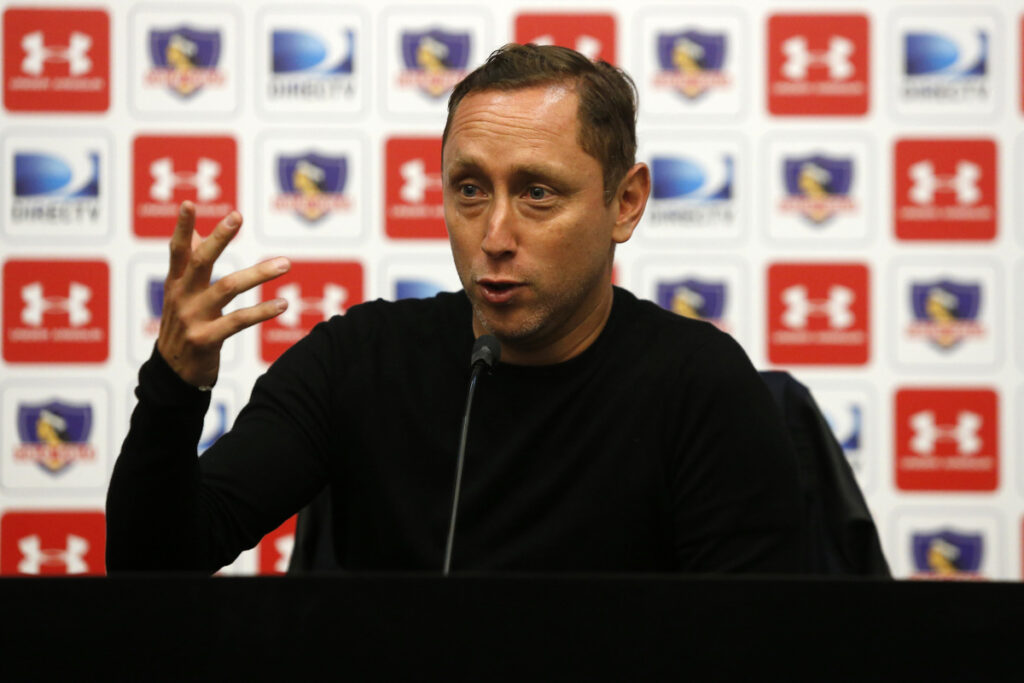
[484, 628]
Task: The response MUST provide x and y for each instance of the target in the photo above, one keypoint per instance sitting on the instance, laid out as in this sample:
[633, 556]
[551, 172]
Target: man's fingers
[209, 250]
[182, 239]
[236, 321]
[228, 287]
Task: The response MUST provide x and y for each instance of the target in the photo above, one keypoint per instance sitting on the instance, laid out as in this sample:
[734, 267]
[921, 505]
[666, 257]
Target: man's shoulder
[651, 323]
[405, 320]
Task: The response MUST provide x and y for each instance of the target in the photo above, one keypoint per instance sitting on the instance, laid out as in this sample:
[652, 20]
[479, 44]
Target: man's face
[531, 234]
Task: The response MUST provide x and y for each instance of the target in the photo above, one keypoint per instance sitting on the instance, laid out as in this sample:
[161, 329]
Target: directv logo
[56, 188]
[312, 65]
[691, 190]
[946, 66]
[406, 288]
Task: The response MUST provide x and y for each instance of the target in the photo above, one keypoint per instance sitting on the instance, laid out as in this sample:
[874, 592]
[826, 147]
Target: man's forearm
[152, 515]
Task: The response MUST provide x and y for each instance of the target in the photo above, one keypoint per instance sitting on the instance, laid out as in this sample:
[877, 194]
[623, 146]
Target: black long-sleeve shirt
[656, 449]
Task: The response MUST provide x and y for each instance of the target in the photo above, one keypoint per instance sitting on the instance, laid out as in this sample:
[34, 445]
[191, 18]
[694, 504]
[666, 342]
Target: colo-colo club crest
[817, 186]
[691, 62]
[312, 185]
[434, 60]
[54, 435]
[184, 59]
[945, 312]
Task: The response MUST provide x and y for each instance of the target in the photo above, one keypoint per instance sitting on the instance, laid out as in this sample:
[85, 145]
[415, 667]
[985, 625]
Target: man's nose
[500, 235]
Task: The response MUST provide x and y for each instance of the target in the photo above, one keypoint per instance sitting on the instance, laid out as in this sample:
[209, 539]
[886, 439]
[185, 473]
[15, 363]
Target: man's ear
[632, 196]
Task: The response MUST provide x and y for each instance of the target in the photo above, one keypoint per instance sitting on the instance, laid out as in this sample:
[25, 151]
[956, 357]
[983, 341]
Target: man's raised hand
[192, 327]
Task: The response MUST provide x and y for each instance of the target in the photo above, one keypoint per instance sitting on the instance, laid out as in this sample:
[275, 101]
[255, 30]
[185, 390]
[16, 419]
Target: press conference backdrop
[835, 184]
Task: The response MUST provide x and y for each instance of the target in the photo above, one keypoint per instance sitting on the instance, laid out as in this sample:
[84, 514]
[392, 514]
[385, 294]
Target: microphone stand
[486, 351]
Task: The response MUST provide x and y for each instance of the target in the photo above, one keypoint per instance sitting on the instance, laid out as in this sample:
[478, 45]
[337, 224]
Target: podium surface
[419, 627]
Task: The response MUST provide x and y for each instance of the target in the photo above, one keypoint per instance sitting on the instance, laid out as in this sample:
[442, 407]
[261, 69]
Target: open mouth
[498, 292]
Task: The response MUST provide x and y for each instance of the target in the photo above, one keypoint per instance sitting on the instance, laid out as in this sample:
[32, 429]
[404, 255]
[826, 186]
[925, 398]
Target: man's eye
[469, 190]
[537, 193]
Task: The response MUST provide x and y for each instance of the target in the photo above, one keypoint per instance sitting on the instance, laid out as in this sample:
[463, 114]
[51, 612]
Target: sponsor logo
[693, 298]
[311, 64]
[945, 312]
[56, 60]
[408, 288]
[154, 297]
[946, 63]
[947, 554]
[817, 187]
[818, 64]
[315, 291]
[947, 440]
[413, 194]
[845, 417]
[818, 314]
[169, 170]
[311, 185]
[54, 435]
[592, 35]
[184, 60]
[693, 190]
[946, 189]
[275, 550]
[692, 62]
[52, 543]
[215, 424]
[54, 187]
[56, 311]
[434, 60]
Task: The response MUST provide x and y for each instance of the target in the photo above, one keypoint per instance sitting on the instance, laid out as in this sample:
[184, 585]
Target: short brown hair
[607, 99]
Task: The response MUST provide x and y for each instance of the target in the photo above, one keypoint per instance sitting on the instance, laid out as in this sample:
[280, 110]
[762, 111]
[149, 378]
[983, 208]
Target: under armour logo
[588, 46]
[34, 556]
[332, 303]
[799, 58]
[76, 53]
[37, 304]
[166, 179]
[926, 183]
[927, 433]
[799, 306]
[416, 181]
[283, 545]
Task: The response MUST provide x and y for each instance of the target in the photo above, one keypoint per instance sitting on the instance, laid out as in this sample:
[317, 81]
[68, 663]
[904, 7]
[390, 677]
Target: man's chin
[509, 326]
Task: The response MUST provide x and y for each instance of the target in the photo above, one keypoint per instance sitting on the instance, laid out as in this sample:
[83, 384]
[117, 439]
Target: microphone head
[486, 350]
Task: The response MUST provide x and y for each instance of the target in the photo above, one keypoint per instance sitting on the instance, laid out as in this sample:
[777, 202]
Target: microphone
[486, 352]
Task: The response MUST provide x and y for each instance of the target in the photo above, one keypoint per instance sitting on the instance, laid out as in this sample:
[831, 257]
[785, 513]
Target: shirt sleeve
[734, 479]
[169, 510]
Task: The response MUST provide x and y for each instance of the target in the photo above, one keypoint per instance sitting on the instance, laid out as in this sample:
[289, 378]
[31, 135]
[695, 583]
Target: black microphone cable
[486, 352]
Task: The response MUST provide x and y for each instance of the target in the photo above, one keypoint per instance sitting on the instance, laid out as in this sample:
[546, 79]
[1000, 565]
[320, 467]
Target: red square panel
[818, 314]
[315, 291]
[42, 543]
[413, 193]
[56, 60]
[169, 170]
[56, 311]
[946, 189]
[593, 35]
[818, 64]
[275, 549]
[947, 440]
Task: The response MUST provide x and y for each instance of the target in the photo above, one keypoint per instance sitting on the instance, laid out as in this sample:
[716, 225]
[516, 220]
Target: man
[613, 436]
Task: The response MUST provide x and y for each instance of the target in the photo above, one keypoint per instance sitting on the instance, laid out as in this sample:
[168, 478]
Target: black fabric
[842, 538]
[656, 449]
